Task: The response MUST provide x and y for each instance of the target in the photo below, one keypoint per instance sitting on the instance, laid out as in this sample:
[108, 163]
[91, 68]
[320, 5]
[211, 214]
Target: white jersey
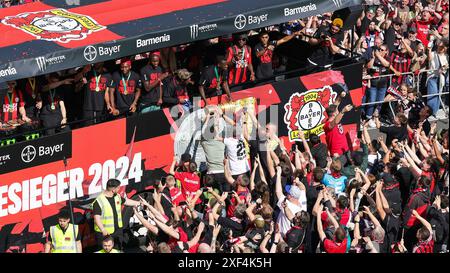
[283, 222]
[236, 155]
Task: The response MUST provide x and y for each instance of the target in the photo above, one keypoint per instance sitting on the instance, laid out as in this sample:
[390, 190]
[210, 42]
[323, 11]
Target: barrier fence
[416, 79]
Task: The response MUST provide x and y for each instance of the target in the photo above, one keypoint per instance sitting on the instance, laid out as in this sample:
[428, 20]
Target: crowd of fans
[391, 195]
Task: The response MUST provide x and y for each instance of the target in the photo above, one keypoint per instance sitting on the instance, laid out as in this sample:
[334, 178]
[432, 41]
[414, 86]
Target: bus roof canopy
[53, 35]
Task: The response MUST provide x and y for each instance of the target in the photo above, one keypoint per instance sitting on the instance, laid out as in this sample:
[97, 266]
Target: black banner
[35, 152]
[69, 58]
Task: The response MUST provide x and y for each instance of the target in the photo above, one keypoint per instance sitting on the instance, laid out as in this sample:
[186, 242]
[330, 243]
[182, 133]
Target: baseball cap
[295, 192]
[183, 74]
[412, 30]
[371, 10]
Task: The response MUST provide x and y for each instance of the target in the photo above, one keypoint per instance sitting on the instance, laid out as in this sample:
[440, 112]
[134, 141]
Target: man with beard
[152, 78]
[239, 59]
[124, 89]
[214, 79]
[96, 95]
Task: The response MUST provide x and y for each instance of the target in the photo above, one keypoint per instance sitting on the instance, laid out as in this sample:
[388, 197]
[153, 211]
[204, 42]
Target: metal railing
[416, 81]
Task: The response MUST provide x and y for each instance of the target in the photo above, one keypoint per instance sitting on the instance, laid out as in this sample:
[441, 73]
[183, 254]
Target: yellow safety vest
[107, 213]
[64, 242]
[112, 251]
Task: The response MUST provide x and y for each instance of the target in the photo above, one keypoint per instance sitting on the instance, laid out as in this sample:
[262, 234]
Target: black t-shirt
[212, 79]
[95, 100]
[98, 211]
[31, 90]
[150, 74]
[391, 226]
[400, 133]
[439, 223]
[52, 98]
[236, 227]
[125, 88]
[320, 154]
[321, 53]
[295, 237]
[173, 91]
[264, 62]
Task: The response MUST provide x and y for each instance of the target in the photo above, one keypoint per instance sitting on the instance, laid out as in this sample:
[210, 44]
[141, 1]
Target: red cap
[125, 61]
[157, 53]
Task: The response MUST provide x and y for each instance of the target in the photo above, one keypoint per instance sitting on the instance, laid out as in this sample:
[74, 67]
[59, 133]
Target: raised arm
[424, 222]
[379, 201]
[145, 223]
[278, 188]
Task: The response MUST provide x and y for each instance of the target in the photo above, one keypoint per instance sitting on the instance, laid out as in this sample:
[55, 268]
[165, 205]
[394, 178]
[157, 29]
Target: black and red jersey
[212, 79]
[12, 101]
[238, 70]
[401, 62]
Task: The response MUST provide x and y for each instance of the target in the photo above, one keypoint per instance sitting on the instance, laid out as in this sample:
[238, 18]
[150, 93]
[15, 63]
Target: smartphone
[182, 203]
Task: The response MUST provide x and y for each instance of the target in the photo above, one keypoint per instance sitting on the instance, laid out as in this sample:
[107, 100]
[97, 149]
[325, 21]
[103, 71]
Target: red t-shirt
[242, 195]
[336, 141]
[423, 28]
[172, 243]
[176, 195]
[333, 247]
[190, 184]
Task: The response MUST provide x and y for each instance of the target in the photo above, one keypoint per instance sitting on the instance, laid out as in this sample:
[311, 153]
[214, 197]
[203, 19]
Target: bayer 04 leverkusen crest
[306, 111]
[54, 25]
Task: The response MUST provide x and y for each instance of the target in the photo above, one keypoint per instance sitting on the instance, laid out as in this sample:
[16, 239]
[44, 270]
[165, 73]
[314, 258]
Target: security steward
[61, 237]
[107, 211]
[108, 245]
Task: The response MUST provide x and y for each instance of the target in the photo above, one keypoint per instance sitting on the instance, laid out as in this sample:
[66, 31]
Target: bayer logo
[240, 21]
[90, 53]
[310, 115]
[28, 154]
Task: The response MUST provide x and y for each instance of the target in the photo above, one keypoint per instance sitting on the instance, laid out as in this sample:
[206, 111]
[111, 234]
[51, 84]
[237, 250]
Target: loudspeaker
[348, 15]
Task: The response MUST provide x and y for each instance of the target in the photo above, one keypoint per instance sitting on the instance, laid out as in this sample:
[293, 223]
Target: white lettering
[298, 10]
[50, 150]
[8, 72]
[49, 190]
[152, 41]
[35, 192]
[257, 19]
[62, 187]
[76, 180]
[108, 50]
[3, 201]
[16, 206]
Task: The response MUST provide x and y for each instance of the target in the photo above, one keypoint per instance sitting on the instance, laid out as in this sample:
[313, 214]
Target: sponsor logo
[299, 10]
[54, 25]
[91, 53]
[4, 158]
[30, 152]
[241, 20]
[8, 72]
[337, 3]
[43, 62]
[306, 112]
[196, 29]
[152, 41]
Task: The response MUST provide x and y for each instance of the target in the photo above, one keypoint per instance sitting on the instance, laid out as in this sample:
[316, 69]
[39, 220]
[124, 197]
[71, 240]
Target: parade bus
[41, 174]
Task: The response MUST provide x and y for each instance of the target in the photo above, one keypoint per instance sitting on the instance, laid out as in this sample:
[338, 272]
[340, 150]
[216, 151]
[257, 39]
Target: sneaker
[372, 124]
